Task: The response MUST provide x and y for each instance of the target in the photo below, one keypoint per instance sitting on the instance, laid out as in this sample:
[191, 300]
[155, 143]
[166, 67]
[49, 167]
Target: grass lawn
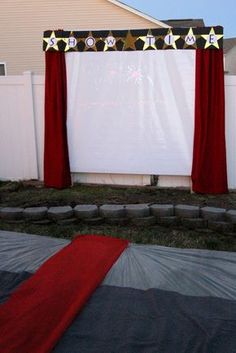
[33, 194]
[176, 237]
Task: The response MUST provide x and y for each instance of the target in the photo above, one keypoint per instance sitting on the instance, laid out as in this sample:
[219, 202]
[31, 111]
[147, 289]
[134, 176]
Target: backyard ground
[28, 194]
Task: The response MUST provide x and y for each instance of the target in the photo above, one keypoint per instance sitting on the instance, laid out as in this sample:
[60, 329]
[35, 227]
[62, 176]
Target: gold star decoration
[190, 39]
[129, 42]
[149, 40]
[212, 39]
[68, 42]
[52, 41]
[170, 40]
[87, 47]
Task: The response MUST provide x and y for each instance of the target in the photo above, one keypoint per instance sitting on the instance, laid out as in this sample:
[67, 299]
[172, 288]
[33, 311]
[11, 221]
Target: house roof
[163, 23]
[139, 13]
[188, 22]
[229, 43]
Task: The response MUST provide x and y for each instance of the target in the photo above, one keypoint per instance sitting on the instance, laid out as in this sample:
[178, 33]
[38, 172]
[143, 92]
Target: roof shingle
[188, 22]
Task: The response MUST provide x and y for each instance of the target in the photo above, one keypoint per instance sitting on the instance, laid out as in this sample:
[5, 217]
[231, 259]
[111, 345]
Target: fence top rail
[19, 80]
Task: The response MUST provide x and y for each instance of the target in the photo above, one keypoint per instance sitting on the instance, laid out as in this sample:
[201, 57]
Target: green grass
[177, 237]
[25, 195]
[34, 194]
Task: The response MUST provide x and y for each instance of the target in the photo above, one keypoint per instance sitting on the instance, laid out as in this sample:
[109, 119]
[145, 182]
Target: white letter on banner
[110, 41]
[150, 40]
[90, 42]
[72, 42]
[212, 39]
[52, 42]
[169, 40]
[190, 40]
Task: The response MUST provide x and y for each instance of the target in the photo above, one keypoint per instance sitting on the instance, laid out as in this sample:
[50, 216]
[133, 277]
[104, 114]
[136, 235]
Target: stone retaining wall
[191, 217]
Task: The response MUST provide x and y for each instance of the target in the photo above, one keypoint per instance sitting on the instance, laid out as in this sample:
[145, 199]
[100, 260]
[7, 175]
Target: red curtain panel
[56, 158]
[209, 173]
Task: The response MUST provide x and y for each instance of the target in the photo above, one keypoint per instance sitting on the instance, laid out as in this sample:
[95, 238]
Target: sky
[213, 12]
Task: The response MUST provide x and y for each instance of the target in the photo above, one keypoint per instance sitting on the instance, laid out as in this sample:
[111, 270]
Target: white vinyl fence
[22, 135]
[21, 126]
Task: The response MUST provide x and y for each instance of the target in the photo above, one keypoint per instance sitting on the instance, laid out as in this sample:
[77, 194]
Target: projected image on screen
[131, 112]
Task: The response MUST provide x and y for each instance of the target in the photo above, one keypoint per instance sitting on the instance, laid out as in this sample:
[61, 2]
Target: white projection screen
[131, 112]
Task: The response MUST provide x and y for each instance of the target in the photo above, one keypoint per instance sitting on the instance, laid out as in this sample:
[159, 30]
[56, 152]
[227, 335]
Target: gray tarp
[153, 300]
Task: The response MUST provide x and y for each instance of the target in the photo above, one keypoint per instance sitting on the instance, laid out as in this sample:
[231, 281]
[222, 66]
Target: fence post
[29, 110]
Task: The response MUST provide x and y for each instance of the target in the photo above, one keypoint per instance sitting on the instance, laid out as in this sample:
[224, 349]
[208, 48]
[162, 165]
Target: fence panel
[230, 122]
[22, 135]
[17, 129]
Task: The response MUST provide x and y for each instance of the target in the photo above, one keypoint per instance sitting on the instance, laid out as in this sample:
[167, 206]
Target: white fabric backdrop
[131, 112]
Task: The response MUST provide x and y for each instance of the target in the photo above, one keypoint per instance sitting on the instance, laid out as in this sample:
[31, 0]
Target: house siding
[230, 61]
[22, 23]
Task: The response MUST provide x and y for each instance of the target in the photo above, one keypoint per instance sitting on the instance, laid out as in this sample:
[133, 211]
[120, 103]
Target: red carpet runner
[38, 313]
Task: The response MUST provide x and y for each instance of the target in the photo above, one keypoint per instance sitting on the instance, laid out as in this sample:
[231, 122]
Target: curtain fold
[56, 157]
[209, 172]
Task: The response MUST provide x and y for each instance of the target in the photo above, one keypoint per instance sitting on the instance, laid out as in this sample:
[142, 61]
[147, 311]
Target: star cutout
[129, 42]
[110, 39]
[52, 41]
[212, 39]
[170, 40]
[190, 39]
[69, 40]
[90, 35]
[149, 40]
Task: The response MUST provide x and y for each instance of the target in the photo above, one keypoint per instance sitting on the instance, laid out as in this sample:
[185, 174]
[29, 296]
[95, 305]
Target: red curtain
[56, 158]
[209, 174]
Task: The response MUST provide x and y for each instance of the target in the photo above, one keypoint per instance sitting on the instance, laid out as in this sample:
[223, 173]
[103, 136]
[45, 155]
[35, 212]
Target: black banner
[137, 39]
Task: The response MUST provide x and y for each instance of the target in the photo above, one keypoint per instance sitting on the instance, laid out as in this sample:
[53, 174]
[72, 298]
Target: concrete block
[194, 223]
[187, 211]
[121, 221]
[168, 221]
[159, 210]
[67, 222]
[221, 227]
[60, 212]
[42, 222]
[213, 213]
[15, 221]
[137, 210]
[11, 213]
[231, 216]
[35, 213]
[94, 221]
[86, 211]
[144, 221]
[112, 211]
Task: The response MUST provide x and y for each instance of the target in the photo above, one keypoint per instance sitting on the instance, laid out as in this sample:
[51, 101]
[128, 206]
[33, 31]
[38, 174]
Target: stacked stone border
[191, 217]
